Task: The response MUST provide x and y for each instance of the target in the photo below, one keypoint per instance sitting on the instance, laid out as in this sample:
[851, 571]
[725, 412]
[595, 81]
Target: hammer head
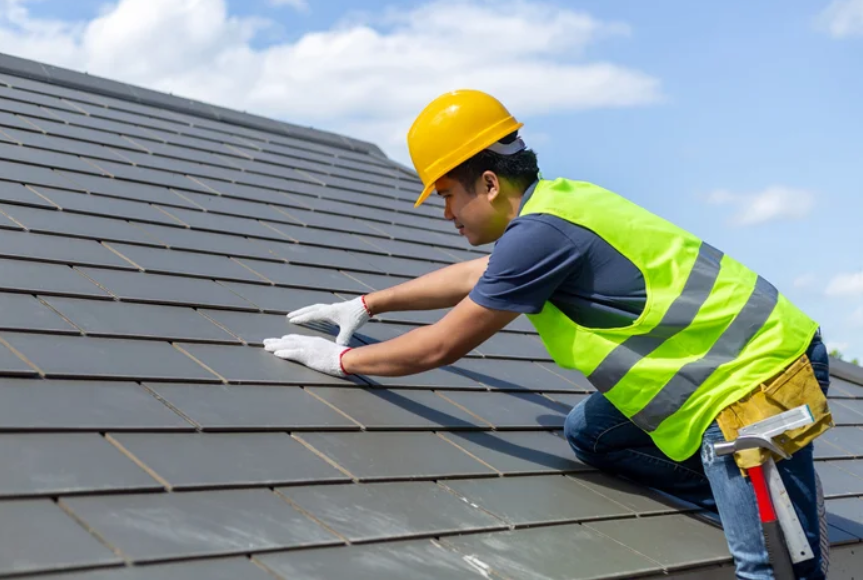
[748, 442]
[761, 434]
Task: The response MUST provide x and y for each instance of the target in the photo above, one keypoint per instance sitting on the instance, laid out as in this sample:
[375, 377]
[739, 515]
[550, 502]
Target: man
[670, 331]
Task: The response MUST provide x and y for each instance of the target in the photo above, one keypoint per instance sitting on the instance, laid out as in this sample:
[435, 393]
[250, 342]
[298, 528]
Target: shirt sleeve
[529, 262]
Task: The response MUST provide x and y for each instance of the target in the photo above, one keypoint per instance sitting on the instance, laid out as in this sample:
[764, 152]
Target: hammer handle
[774, 540]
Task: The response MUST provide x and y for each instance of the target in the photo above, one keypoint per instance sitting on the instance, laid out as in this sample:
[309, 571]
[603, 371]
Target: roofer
[683, 343]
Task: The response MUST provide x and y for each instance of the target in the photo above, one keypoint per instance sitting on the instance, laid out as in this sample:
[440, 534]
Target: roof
[149, 243]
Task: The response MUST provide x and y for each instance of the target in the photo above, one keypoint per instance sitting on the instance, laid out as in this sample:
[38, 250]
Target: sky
[739, 121]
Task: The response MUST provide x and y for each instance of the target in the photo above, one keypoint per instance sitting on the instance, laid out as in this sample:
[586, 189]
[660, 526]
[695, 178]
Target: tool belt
[793, 387]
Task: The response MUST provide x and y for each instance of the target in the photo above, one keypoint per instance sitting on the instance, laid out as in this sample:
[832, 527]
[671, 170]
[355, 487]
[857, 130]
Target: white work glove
[315, 352]
[348, 316]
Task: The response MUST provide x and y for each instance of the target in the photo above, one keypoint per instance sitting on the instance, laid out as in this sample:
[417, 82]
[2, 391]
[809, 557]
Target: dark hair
[520, 169]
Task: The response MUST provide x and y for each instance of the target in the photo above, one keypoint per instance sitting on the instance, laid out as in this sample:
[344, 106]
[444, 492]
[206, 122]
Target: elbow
[447, 358]
[440, 353]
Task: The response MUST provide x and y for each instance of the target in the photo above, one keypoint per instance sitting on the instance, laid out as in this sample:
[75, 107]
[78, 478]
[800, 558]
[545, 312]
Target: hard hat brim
[424, 195]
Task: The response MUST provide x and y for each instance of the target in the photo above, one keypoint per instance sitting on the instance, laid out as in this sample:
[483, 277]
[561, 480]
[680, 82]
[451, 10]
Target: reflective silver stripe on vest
[746, 325]
[679, 315]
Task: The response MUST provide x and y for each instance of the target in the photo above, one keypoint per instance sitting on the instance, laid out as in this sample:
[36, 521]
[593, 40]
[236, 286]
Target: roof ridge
[69, 78]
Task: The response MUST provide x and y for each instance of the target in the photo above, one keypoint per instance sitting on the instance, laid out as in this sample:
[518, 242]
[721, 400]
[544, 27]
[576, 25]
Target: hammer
[783, 535]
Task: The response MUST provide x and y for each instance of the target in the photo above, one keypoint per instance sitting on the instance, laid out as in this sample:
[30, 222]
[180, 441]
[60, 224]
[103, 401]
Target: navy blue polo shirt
[541, 257]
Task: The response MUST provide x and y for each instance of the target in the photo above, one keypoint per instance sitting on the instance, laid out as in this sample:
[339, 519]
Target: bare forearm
[411, 353]
[442, 288]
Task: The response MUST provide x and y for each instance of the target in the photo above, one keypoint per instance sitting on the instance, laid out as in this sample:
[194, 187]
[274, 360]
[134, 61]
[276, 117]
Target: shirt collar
[526, 196]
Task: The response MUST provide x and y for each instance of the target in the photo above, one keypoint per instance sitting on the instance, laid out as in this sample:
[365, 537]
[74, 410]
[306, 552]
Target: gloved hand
[348, 316]
[315, 352]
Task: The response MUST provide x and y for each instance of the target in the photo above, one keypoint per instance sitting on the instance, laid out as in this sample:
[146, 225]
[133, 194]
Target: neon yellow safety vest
[711, 329]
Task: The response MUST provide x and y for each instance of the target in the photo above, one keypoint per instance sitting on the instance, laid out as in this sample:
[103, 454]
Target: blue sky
[738, 120]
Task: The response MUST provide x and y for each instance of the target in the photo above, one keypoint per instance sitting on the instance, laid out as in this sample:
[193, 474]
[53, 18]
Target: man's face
[473, 213]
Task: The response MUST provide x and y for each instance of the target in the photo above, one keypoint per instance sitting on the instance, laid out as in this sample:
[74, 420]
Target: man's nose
[447, 213]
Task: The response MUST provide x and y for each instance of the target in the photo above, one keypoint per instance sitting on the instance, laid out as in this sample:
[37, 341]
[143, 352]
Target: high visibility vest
[711, 331]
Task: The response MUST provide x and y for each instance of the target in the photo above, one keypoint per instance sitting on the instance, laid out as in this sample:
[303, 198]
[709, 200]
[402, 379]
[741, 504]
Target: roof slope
[149, 243]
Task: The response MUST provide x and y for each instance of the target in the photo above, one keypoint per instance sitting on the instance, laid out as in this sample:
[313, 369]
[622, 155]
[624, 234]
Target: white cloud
[300, 5]
[367, 77]
[846, 285]
[772, 204]
[842, 18]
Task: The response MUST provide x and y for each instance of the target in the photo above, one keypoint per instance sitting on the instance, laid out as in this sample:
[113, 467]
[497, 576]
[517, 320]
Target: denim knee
[575, 431]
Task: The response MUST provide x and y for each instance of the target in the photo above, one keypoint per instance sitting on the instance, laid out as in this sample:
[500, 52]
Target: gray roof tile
[444, 377]
[82, 134]
[847, 439]
[121, 188]
[208, 242]
[304, 276]
[251, 407]
[321, 257]
[414, 559]
[838, 480]
[24, 312]
[364, 512]
[846, 514]
[674, 541]
[574, 552]
[181, 263]
[841, 386]
[33, 175]
[220, 223]
[378, 281]
[19, 194]
[159, 526]
[162, 289]
[374, 456]
[59, 249]
[847, 412]
[101, 205]
[27, 527]
[318, 237]
[638, 498]
[538, 499]
[215, 569]
[46, 158]
[150, 176]
[279, 299]
[519, 452]
[10, 364]
[77, 225]
[398, 266]
[512, 375]
[76, 357]
[514, 410]
[63, 463]
[128, 320]
[95, 150]
[403, 249]
[228, 459]
[398, 408]
[27, 404]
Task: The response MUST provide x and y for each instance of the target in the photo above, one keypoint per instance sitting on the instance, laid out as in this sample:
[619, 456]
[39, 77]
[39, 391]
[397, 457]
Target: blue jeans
[603, 437]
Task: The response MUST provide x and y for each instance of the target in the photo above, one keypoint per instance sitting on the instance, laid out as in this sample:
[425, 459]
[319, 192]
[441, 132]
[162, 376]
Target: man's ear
[490, 185]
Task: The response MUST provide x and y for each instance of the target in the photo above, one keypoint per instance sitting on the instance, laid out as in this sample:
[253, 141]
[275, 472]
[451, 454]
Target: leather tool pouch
[795, 386]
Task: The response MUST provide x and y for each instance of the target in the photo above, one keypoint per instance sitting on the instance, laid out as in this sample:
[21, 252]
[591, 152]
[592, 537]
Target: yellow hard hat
[453, 128]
